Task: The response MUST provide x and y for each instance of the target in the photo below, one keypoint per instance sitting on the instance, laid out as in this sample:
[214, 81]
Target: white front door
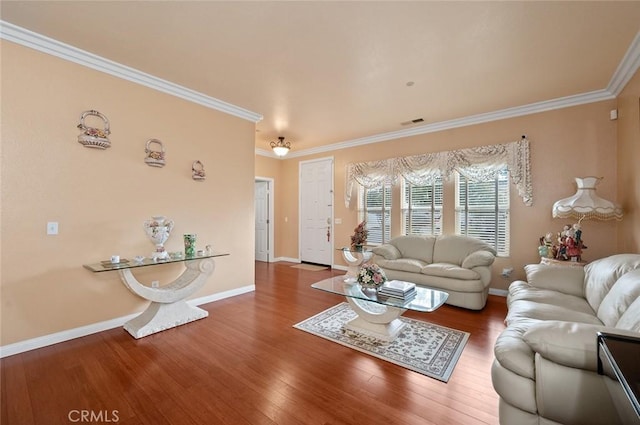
[262, 220]
[316, 211]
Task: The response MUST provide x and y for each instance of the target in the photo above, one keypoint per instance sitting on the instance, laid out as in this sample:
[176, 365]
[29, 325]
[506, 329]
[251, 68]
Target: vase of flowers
[371, 276]
[359, 237]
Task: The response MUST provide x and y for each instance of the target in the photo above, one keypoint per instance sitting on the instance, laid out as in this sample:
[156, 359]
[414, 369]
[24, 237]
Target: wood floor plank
[246, 364]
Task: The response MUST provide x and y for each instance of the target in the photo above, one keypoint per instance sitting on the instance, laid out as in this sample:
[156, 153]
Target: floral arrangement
[359, 236]
[371, 276]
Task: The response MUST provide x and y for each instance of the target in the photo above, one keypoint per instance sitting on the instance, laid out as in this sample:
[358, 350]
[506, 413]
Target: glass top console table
[378, 316]
[168, 307]
[354, 259]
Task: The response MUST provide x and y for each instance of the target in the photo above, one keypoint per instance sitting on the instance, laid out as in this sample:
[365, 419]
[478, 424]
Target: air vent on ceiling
[416, 121]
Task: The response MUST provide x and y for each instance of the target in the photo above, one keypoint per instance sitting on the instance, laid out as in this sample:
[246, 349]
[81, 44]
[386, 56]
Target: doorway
[316, 211]
[263, 219]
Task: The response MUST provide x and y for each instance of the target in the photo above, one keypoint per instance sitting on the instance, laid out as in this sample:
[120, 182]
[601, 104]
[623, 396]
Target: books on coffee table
[398, 289]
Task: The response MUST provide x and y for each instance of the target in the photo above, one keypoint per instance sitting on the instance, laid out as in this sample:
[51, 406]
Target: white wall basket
[93, 137]
[197, 171]
[155, 153]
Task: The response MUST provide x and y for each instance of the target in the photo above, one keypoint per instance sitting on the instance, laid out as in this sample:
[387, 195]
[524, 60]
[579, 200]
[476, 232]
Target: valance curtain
[480, 163]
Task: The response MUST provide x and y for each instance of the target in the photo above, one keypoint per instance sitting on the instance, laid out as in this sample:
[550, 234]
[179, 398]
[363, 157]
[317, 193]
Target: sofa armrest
[569, 343]
[568, 280]
[388, 251]
[478, 258]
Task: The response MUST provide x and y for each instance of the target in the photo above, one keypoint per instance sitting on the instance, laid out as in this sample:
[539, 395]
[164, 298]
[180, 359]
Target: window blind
[376, 211]
[482, 210]
[422, 208]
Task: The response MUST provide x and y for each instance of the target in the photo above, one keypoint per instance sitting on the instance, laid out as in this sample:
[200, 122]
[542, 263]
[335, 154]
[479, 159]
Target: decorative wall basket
[155, 153]
[92, 137]
[197, 171]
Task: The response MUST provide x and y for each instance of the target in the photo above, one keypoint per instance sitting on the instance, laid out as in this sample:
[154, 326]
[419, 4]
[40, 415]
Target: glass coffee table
[378, 316]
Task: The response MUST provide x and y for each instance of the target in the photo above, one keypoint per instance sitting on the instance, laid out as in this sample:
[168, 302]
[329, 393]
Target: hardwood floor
[246, 364]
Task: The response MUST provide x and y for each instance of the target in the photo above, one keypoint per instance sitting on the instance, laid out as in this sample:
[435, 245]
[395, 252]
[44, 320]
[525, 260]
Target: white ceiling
[329, 73]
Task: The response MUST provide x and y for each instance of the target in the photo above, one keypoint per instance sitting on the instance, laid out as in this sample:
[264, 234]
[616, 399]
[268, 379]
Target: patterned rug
[310, 267]
[423, 347]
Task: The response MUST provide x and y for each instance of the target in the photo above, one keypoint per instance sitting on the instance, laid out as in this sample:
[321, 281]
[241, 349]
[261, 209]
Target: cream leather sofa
[455, 264]
[545, 367]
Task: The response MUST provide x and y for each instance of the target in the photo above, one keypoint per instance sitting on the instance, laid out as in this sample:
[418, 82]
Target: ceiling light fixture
[280, 148]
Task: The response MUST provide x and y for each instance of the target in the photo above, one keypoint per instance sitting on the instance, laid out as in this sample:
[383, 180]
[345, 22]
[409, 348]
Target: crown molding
[533, 108]
[267, 153]
[627, 68]
[64, 51]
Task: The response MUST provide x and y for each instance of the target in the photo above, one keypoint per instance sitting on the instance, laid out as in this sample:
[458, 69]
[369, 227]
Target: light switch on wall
[338, 221]
[52, 228]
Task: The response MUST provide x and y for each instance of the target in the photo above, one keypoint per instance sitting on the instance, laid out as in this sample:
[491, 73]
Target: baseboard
[297, 260]
[55, 338]
[498, 292]
[286, 259]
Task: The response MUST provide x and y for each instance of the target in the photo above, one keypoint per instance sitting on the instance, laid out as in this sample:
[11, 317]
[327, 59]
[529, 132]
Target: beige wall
[566, 143]
[629, 165]
[100, 198]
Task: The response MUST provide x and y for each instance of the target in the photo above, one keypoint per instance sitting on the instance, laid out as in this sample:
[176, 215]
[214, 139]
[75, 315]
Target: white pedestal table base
[375, 320]
[159, 317]
[168, 307]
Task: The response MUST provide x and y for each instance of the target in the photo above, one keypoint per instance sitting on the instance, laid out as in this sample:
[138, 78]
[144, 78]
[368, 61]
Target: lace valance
[478, 163]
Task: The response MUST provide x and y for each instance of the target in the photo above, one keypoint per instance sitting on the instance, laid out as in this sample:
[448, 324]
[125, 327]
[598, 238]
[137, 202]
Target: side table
[554, 262]
[618, 358]
[168, 307]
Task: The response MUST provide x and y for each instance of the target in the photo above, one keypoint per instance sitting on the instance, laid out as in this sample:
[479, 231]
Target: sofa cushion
[418, 247]
[630, 320]
[569, 344]
[520, 290]
[601, 274]
[454, 249]
[622, 294]
[566, 343]
[403, 264]
[512, 352]
[449, 270]
[387, 251]
[478, 259]
[525, 309]
[568, 280]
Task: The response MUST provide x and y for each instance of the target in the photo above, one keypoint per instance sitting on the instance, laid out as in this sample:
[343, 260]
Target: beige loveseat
[545, 367]
[455, 264]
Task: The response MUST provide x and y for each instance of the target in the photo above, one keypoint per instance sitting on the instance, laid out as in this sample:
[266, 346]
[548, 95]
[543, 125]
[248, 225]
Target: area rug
[309, 267]
[423, 347]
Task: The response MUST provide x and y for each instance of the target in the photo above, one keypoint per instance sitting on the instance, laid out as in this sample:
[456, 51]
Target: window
[482, 210]
[375, 209]
[422, 209]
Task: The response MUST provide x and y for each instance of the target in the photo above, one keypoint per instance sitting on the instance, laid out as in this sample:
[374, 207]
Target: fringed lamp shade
[586, 203]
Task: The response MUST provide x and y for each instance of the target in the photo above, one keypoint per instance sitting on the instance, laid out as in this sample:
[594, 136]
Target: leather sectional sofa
[455, 264]
[545, 367]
